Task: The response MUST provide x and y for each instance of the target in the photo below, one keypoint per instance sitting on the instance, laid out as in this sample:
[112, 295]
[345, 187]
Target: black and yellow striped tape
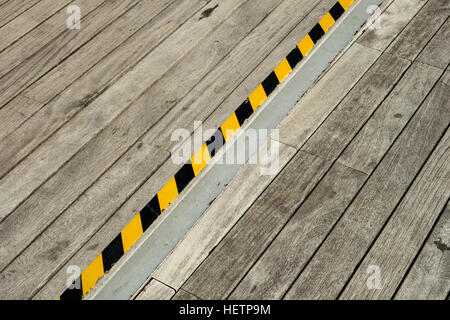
[132, 232]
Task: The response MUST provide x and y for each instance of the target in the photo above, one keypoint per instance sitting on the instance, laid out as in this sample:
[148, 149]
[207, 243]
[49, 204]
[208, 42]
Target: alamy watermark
[374, 280]
[74, 20]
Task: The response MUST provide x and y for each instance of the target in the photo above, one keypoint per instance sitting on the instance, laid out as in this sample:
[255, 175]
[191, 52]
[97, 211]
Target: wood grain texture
[332, 265]
[60, 147]
[429, 277]
[391, 22]
[91, 84]
[215, 223]
[247, 66]
[378, 134]
[227, 263]
[51, 55]
[29, 20]
[12, 8]
[280, 264]
[356, 108]
[420, 30]
[184, 295]
[100, 153]
[403, 235]
[320, 101]
[436, 52]
[156, 290]
[31, 43]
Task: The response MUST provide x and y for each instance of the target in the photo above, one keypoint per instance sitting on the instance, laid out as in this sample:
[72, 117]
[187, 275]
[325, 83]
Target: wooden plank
[184, 295]
[319, 101]
[277, 269]
[90, 85]
[231, 268]
[156, 290]
[429, 276]
[32, 68]
[34, 170]
[23, 225]
[436, 52]
[222, 91]
[215, 223]
[376, 137]
[403, 235]
[116, 35]
[28, 20]
[42, 35]
[420, 30]
[332, 265]
[15, 116]
[391, 23]
[280, 264]
[13, 8]
[223, 268]
[356, 108]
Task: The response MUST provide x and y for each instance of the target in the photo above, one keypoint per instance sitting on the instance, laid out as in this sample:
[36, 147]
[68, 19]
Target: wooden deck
[86, 118]
[362, 192]
[86, 115]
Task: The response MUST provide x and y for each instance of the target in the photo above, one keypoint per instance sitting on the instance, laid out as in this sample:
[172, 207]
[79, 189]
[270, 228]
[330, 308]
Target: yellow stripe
[306, 45]
[257, 97]
[167, 194]
[326, 22]
[92, 273]
[346, 3]
[283, 70]
[131, 233]
[200, 159]
[230, 126]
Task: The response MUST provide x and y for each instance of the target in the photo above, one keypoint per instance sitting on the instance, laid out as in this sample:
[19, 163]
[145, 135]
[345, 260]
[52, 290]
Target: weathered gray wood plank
[232, 81]
[50, 30]
[332, 265]
[356, 108]
[420, 30]
[429, 277]
[277, 269]
[391, 23]
[9, 119]
[103, 150]
[29, 19]
[280, 264]
[90, 85]
[403, 235]
[215, 223]
[184, 295]
[436, 53]
[375, 138]
[60, 147]
[156, 290]
[13, 8]
[226, 264]
[32, 68]
[319, 101]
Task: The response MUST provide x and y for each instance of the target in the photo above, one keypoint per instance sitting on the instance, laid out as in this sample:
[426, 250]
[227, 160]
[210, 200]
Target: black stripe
[112, 253]
[270, 83]
[215, 143]
[337, 11]
[316, 33]
[184, 176]
[244, 112]
[294, 57]
[73, 294]
[150, 212]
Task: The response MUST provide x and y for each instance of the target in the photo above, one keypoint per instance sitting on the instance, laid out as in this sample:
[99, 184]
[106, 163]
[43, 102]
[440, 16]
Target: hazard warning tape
[141, 222]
